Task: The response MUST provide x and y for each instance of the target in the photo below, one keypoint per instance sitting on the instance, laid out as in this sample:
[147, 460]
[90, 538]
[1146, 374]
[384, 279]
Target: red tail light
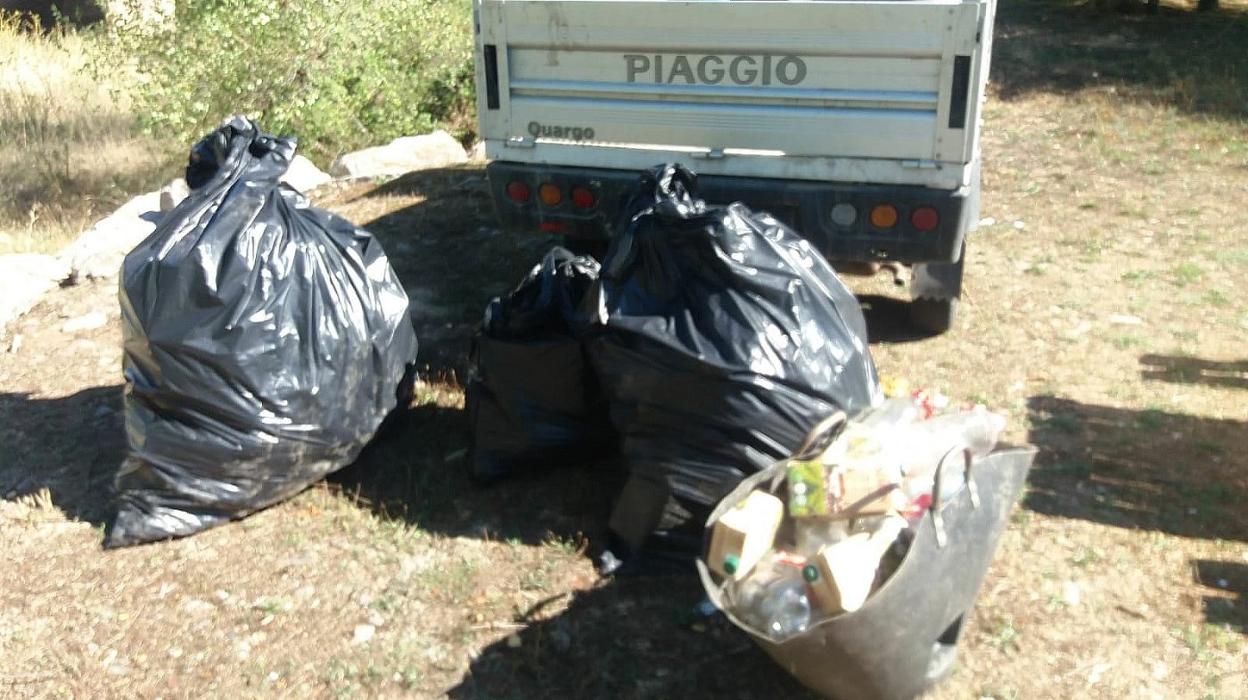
[518, 192]
[925, 218]
[583, 198]
[554, 226]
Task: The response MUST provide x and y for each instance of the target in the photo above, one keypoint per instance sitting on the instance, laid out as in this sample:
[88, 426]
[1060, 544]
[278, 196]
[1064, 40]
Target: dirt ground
[1106, 310]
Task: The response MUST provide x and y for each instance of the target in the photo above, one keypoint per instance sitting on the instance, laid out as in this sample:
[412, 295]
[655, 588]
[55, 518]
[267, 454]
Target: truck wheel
[933, 315]
[934, 292]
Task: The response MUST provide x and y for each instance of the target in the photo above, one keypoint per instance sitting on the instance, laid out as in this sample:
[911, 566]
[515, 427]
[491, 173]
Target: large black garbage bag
[265, 341]
[531, 399]
[721, 337]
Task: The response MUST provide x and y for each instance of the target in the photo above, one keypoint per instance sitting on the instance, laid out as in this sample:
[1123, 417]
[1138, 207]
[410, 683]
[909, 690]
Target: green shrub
[339, 74]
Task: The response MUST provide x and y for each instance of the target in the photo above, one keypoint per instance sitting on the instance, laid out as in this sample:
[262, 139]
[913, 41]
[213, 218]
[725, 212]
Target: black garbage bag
[265, 341]
[720, 337]
[531, 399]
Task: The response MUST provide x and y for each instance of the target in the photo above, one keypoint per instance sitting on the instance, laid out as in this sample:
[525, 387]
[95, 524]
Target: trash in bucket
[888, 523]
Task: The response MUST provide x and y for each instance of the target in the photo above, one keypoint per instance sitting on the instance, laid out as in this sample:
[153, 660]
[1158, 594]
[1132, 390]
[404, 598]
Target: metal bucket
[904, 638]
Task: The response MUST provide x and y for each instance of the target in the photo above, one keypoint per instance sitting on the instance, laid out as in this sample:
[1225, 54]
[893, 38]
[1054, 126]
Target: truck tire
[934, 290]
[934, 316]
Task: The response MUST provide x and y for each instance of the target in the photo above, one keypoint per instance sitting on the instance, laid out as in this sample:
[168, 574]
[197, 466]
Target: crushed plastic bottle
[785, 607]
[930, 441]
[774, 599]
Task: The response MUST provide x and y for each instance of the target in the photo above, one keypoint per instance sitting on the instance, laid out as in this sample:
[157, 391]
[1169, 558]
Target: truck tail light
[884, 216]
[550, 194]
[844, 214]
[554, 226]
[518, 192]
[925, 218]
[583, 198]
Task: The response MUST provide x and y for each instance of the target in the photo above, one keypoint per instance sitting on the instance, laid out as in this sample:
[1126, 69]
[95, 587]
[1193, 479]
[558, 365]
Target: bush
[339, 74]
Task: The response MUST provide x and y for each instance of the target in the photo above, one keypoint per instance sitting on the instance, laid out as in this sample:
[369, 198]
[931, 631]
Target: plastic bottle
[928, 442]
[774, 599]
[786, 607]
[892, 412]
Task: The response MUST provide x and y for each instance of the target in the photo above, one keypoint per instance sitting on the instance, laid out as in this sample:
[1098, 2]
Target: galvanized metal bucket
[904, 638]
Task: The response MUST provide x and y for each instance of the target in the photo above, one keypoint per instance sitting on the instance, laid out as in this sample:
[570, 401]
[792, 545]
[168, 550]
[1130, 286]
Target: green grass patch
[1215, 297]
[1138, 276]
[1186, 273]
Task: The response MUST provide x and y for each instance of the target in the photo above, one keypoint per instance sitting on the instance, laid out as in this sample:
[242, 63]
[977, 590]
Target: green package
[808, 489]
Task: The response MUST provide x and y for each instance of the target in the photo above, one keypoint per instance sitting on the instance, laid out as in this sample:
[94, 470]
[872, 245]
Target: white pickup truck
[856, 122]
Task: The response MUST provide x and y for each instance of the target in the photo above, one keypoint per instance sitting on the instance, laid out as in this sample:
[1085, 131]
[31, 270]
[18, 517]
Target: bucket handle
[820, 436]
[968, 461]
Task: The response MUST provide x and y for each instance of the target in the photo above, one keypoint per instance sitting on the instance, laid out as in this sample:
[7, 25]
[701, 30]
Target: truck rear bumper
[805, 206]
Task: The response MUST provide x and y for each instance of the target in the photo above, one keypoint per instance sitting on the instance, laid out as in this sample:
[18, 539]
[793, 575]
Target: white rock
[97, 253]
[514, 641]
[362, 634]
[86, 322]
[171, 195]
[1098, 672]
[1071, 594]
[1080, 329]
[1019, 224]
[1125, 320]
[304, 176]
[401, 155]
[15, 343]
[195, 606]
[987, 221]
[24, 278]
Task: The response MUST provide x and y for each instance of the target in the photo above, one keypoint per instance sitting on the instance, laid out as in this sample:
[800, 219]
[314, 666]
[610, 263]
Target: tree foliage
[339, 74]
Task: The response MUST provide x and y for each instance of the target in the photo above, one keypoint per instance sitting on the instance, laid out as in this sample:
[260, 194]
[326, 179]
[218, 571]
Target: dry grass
[69, 153]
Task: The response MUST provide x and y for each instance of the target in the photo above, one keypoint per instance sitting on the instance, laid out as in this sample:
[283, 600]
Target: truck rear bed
[885, 92]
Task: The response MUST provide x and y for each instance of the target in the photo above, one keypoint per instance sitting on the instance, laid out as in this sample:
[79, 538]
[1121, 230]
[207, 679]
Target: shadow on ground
[416, 471]
[1149, 470]
[88, 432]
[439, 230]
[888, 320]
[1194, 61]
[605, 645]
[1227, 600]
[1178, 369]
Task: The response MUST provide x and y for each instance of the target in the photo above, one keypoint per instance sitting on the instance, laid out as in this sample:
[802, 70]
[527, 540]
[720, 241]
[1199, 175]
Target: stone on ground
[400, 156]
[304, 176]
[23, 279]
[97, 253]
[171, 195]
